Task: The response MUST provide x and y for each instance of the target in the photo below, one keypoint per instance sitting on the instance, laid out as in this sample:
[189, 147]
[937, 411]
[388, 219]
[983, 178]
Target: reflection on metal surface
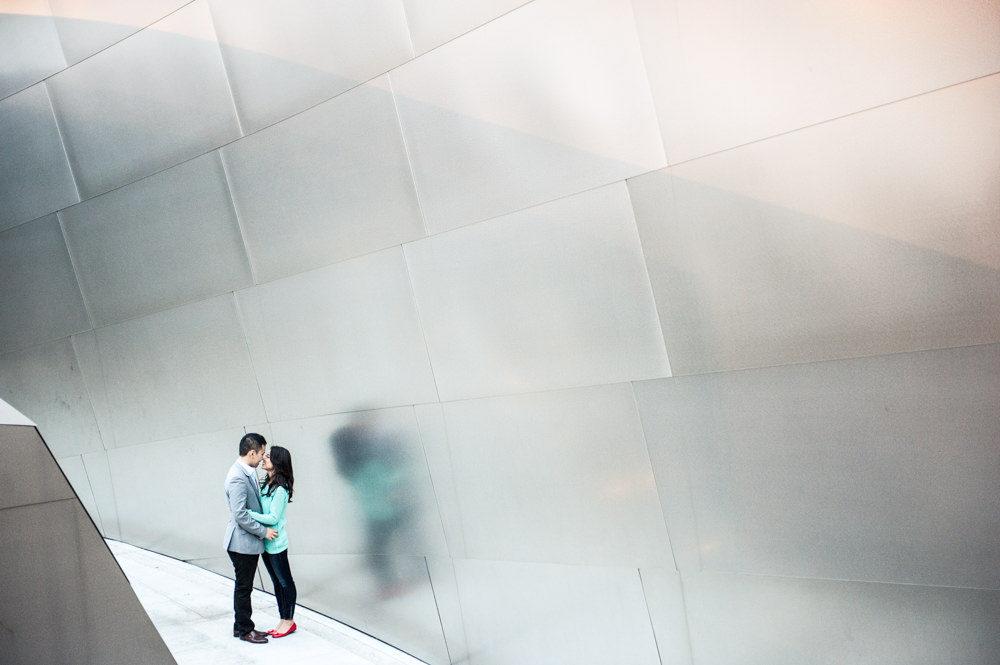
[379, 473]
[328, 517]
[345, 588]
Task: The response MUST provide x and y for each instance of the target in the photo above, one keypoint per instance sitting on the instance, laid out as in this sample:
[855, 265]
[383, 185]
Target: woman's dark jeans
[284, 585]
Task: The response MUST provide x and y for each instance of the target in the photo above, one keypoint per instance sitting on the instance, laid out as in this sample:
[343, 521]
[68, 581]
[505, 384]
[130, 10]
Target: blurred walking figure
[376, 468]
[275, 495]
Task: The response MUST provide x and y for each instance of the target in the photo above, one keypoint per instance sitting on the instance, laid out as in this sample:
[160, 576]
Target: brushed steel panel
[45, 383]
[35, 177]
[778, 621]
[573, 471]
[664, 593]
[671, 460]
[337, 339]
[88, 358]
[161, 242]
[547, 613]
[178, 372]
[29, 45]
[61, 585]
[282, 58]
[76, 474]
[873, 234]
[99, 473]
[548, 100]
[29, 474]
[187, 473]
[149, 102]
[550, 297]
[449, 607]
[324, 186]
[724, 73]
[882, 469]
[342, 587]
[87, 26]
[367, 468]
[434, 438]
[40, 299]
[434, 22]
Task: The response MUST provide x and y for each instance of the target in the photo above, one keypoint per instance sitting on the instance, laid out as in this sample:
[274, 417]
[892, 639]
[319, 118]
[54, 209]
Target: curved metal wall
[649, 331]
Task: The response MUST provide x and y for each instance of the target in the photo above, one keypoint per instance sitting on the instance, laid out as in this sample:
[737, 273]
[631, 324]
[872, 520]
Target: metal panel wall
[31, 47]
[88, 26]
[326, 185]
[40, 298]
[146, 103]
[282, 58]
[35, 176]
[626, 331]
[158, 243]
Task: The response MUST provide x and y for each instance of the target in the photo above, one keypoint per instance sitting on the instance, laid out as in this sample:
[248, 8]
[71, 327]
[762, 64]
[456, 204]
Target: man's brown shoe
[239, 634]
[254, 637]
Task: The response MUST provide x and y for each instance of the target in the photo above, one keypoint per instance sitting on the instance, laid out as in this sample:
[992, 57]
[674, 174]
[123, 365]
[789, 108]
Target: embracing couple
[257, 526]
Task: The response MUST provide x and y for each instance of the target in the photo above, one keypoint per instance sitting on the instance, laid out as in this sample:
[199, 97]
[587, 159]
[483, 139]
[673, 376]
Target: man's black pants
[245, 566]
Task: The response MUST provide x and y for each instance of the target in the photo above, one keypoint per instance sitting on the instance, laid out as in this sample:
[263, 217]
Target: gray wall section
[632, 331]
[66, 600]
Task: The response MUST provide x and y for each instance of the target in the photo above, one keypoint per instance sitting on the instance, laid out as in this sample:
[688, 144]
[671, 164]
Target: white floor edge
[192, 609]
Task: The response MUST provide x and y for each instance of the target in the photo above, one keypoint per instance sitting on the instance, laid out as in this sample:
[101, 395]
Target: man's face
[254, 457]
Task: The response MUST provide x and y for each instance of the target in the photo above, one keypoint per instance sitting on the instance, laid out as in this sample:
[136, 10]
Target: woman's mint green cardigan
[273, 515]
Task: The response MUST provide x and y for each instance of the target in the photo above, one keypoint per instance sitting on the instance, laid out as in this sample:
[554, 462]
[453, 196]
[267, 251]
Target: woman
[275, 495]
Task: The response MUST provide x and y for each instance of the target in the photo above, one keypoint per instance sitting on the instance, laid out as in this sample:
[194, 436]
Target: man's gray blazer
[243, 533]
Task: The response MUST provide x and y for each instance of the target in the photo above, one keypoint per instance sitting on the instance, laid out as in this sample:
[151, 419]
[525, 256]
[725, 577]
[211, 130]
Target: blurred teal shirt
[273, 515]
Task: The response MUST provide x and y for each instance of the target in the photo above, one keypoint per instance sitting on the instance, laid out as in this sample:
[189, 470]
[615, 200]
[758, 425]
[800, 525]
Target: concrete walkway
[192, 609]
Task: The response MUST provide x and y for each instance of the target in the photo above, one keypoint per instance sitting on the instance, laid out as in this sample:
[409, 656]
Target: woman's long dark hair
[281, 460]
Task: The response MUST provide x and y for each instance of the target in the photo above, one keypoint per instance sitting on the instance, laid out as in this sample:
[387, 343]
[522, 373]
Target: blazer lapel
[253, 496]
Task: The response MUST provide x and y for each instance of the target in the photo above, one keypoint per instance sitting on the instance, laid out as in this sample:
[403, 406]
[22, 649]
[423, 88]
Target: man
[244, 536]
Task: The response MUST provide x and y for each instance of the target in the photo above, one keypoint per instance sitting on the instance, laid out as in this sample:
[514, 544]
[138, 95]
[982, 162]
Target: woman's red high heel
[287, 632]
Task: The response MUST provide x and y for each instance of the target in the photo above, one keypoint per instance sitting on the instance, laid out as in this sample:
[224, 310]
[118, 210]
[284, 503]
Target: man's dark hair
[252, 441]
